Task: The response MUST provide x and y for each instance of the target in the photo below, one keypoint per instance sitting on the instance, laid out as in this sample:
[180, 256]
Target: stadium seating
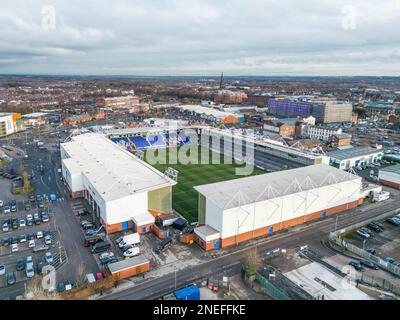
[140, 143]
[156, 140]
[172, 139]
[183, 139]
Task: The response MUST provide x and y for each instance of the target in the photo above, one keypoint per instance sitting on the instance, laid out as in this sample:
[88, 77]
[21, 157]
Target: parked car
[6, 209]
[377, 223]
[22, 238]
[363, 234]
[30, 271]
[5, 242]
[5, 227]
[32, 199]
[366, 230]
[30, 236]
[2, 269]
[22, 223]
[10, 278]
[132, 252]
[45, 217]
[14, 223]
[88, 226]
[106, 255]
[374, 227]
[31, 244]
[14, 247]
[39, 266]
[163, 245]
[14, 239]
[27, 207]
[356, 265]
[47, 239]
[39, 235]
[369, 264]
[393, 221]
[40, 205]
[13, 208]
[40, 247]
[108, 260]
[389, 260]
[1, 203]
[48, 257]
[99, 276]
[100, 247]
[20, 265]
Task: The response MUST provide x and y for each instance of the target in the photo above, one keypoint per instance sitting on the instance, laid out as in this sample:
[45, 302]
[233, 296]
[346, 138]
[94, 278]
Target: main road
[310, 235]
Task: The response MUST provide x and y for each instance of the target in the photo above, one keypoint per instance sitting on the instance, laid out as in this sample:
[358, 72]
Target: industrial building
[234, 211]
[212, 114]
[354, 157]
[390, 176]
[319, 132]
[10, 123]
[122, 190]
[35, 119]
[117, 101]
[323, 110]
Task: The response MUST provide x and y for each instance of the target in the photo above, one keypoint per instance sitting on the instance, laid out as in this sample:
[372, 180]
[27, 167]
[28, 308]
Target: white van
[130, 239]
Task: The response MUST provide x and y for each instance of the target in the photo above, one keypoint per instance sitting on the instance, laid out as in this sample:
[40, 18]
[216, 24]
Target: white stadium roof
[243, 191]
[113, 171]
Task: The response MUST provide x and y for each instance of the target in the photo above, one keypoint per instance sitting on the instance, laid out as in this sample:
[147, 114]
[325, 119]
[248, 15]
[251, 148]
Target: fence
[336, 238]
[379, 283]
[270, 288]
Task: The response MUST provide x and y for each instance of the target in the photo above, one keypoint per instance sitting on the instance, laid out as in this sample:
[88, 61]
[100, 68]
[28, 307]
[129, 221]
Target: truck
[380, 196]
[130, 239]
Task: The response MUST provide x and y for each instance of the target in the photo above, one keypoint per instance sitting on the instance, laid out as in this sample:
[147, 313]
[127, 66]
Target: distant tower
[222, 79]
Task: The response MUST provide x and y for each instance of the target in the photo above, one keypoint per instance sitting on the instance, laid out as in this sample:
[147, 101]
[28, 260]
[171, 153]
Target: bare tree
[27, 183]
[253, 262]
[80, 276]
[35, 291]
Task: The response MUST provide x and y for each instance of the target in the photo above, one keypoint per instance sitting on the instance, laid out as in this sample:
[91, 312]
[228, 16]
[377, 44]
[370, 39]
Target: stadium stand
[140, 143]
[156, 140]
[183, 139]
[172, 139]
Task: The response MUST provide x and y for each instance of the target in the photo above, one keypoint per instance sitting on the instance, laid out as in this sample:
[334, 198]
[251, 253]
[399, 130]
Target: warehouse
[120, 187]
[234, 211]
[354, 157]
[128, 268]
[390, 176]
[213, 114]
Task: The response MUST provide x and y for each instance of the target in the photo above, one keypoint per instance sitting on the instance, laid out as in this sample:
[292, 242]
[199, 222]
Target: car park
[356, 265]
[2, 269]
[10, 278]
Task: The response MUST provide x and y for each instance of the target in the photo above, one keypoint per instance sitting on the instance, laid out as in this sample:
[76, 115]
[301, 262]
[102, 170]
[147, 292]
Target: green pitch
[184, 197]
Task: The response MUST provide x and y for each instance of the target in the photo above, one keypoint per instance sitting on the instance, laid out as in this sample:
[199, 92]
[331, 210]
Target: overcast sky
[200, 37]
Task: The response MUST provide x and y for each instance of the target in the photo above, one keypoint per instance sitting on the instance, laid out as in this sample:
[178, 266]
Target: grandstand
[184, 197]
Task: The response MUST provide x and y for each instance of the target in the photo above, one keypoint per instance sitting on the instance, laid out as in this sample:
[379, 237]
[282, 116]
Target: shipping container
[191, 292]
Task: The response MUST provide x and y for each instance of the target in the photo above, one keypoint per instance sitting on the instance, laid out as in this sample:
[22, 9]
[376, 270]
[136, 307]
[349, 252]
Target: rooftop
[208, 111]
[352, 153]
[112, 171]
[395, 169]
[237, 192]
[127, 263]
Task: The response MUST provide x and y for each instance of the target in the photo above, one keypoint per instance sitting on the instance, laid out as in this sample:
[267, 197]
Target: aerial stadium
[132, 176]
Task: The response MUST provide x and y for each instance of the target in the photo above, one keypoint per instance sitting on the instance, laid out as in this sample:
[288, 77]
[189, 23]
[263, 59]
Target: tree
[35, 291]
[80, 276]
[25, 179]
[253, 262]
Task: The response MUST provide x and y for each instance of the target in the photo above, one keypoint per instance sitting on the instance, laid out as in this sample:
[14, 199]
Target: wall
[271, 212]
[124, 209]
[160, 199]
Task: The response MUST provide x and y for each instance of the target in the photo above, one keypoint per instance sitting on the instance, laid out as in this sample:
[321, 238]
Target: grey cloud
[201, 37]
